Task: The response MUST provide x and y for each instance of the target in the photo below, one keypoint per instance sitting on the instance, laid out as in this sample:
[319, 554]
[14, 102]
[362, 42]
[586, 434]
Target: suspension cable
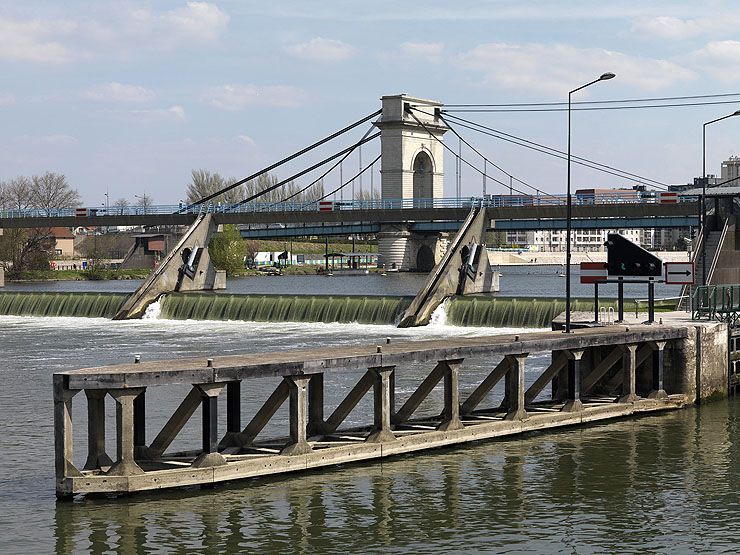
[519, 141]
[350, 180]
[659, 99]
[303, 172]
[323, 175]
[284, 160]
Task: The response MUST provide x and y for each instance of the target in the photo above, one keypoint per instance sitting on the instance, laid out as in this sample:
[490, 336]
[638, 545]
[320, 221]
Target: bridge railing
[493, 201]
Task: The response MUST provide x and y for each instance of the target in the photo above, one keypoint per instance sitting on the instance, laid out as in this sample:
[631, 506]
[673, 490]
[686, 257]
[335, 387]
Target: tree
[120, 205]
[144, 202]
[31, 248]
[51, 191]
[204, 183]
[227, 250]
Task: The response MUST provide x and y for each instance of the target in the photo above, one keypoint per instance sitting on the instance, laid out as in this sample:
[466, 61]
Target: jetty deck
[595, 374]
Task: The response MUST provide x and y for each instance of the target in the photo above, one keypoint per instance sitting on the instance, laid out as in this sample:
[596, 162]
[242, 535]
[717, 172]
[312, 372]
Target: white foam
[153, 310]
[439, 316]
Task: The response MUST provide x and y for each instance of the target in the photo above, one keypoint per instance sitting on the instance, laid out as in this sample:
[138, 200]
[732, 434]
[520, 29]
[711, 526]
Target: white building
[581, 240]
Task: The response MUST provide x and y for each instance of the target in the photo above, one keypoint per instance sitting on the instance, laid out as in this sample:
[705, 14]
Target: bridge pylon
[411, 170]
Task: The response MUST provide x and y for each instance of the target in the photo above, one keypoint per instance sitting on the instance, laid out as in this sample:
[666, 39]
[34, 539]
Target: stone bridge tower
[412, 176]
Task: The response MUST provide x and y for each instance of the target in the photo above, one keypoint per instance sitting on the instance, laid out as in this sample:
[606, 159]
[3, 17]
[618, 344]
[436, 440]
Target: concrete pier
[596, 374]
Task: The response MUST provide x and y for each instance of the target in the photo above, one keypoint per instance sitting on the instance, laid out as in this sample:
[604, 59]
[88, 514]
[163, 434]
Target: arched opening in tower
[423, 176]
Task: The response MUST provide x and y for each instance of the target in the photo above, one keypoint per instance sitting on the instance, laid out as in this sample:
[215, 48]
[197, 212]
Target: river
[655, 484]
[516, 281]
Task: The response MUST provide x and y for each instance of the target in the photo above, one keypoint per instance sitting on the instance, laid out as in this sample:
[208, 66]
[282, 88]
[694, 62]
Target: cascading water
[284, 308]
[90, 305]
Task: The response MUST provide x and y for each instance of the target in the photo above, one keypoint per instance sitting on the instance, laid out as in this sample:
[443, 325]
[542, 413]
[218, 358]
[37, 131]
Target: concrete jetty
[594, 375]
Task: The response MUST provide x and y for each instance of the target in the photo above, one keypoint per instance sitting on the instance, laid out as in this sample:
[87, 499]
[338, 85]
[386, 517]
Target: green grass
[78, 275]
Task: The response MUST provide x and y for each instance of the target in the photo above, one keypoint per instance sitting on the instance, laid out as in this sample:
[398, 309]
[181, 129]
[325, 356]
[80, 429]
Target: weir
[594, 375]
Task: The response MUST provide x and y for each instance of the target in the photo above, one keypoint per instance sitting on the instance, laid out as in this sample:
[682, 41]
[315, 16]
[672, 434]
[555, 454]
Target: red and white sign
[679, 273]
[667, 197]
[81, 212]
[326, 205]
[594, 272]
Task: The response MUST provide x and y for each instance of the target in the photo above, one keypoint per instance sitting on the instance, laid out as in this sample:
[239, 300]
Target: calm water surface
[656, 484]
[516, 281]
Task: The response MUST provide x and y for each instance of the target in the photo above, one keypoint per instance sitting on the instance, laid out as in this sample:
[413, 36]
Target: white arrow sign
[679, 273]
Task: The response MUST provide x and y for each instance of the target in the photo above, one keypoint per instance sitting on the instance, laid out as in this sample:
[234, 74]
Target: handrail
[489, 201]
[715, 258]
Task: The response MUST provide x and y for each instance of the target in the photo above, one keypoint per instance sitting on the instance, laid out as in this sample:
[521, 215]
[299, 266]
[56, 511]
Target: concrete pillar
[63, 436]
[382, 396]
[629, 374]
[298, 416]
[209, 402]
[316, 404]
[657, 367]
[514, 388]
[140, 448]
[451, 413]
[96, 455]
[573, 372]
[125, 464]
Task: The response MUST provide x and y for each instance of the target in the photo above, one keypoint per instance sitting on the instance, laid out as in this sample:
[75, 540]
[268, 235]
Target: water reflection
[650, 484]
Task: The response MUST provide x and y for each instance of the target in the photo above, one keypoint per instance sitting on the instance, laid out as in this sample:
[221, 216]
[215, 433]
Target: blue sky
[130, 96]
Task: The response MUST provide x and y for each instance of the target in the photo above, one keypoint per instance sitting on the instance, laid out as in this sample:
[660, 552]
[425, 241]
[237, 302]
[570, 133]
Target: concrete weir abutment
[595, 374]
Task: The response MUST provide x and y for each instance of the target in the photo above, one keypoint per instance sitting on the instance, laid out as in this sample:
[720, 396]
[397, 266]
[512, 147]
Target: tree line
[204, 183]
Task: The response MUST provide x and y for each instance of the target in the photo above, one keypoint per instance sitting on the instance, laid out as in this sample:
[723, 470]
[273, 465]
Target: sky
[127, 97]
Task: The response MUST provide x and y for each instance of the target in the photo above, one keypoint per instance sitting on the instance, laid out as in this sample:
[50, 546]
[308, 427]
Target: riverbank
[533, 258]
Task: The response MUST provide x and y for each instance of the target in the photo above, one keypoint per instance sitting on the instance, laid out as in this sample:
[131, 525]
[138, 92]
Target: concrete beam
[657, 368]
[451, 413]
[421, 393]
[573, 399]
[96, 455]
[348, 403]
[514, 384]
[298, 416]
[629, 374]
[382, 395]
[264, 414]
[176, 422]
[63, 452]
[556, 366]
[125, 464]
[490, 381]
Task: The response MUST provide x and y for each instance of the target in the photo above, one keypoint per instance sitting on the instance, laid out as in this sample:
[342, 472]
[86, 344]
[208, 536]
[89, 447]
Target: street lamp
[704, 193]
[603, 77]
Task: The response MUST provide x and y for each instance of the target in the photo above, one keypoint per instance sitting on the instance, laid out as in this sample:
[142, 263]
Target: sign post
[595, 272]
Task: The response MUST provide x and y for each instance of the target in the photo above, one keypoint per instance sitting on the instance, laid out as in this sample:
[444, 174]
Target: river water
[655, 484]
[516, 281]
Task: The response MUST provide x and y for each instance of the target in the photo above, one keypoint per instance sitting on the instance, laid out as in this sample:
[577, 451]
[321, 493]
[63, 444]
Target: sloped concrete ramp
[187, 267]
[464, 269]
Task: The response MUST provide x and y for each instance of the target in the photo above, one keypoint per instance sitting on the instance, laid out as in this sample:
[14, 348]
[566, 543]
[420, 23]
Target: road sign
[679, 273]
[594, 272]
[668, 197]
[326, 206]
[625, 258]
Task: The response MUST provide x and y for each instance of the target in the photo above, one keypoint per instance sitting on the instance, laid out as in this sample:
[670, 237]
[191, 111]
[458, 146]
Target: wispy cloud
[557, 67]
[48, 140]
[668, 27]
[245, 140]
[322, 50]
[119, 92]
[719, 59]
[240, 96]
[173, 113]
[120, 31]
[6, 99]
[429, 51]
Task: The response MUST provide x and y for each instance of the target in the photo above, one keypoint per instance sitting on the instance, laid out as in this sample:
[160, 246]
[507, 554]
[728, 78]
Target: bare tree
[51, 191]
[144, 202]
[120, 205]
[204, 183]
[16, 194]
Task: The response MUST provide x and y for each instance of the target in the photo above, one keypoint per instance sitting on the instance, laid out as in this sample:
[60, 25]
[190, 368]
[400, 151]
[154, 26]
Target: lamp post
[704, 193]
[603, 77]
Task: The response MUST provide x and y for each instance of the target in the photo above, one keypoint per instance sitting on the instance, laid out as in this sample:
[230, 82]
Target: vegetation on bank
[79, 275]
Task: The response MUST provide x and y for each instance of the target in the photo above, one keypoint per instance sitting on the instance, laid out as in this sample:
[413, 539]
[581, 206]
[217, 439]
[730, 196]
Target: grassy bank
[77, 275]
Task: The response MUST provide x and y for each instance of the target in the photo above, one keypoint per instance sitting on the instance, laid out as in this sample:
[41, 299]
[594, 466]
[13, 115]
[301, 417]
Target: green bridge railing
[716, 302]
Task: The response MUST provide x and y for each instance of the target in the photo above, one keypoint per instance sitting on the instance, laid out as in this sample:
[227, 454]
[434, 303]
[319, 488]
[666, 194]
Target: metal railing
[716, 302]
[492, 201]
